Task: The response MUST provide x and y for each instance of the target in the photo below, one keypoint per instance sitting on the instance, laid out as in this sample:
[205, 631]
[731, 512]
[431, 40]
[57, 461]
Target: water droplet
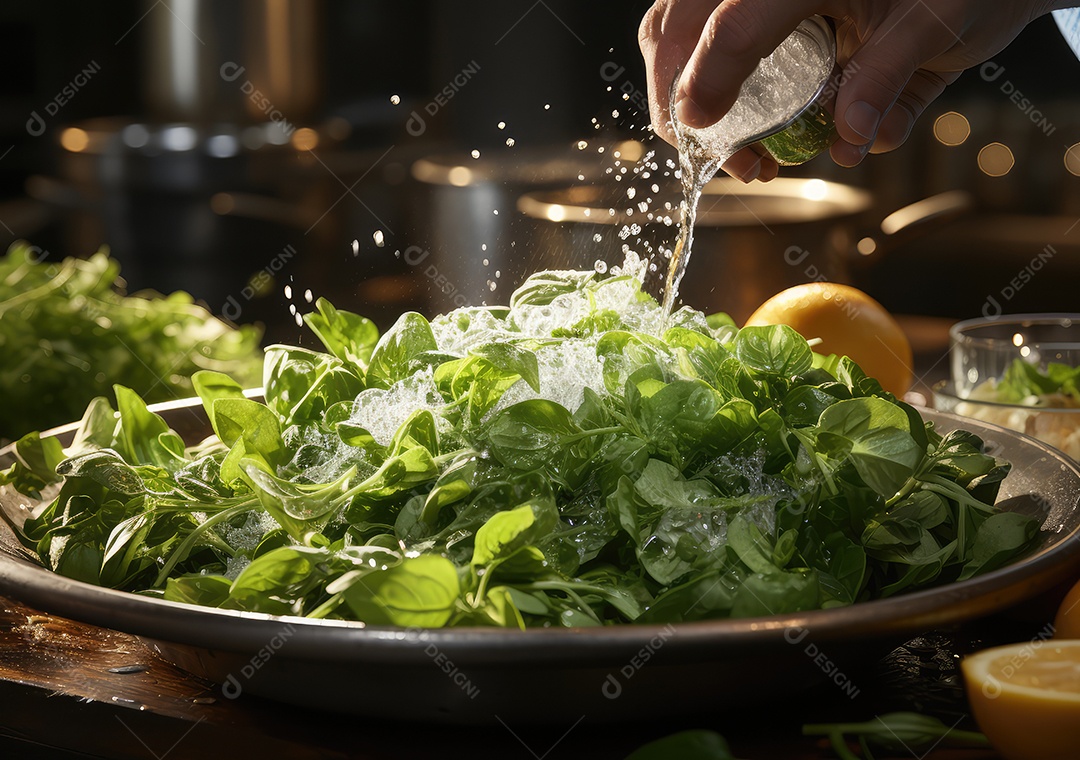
[475, 153]
[630, 192]
[292, 309]
[492, 285]
[498, 273]
[582, 145]
[355, 247]
[308, 296]
[502, 125]
[597, 238]
[510, 142]
[615, 113]
[600, 266]
[288, 291]
[487, 263]
[377, 236]
[483, 246]
[395, 99]
[299, 321]
[547, 106]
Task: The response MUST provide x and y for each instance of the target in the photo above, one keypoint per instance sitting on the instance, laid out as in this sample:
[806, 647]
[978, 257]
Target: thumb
[878, 73]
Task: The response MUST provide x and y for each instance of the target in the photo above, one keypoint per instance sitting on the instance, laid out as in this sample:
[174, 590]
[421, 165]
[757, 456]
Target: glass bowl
[986, 353]
[982, 350]
[1055, 426]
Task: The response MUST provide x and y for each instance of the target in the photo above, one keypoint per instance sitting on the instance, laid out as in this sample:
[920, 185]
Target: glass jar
[783, 108]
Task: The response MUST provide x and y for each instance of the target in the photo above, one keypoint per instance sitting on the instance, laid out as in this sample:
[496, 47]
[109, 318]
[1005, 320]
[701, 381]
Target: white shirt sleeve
[1068, 20]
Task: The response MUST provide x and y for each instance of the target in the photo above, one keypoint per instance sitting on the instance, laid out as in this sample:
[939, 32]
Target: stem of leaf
[589, 433]
[181, 552]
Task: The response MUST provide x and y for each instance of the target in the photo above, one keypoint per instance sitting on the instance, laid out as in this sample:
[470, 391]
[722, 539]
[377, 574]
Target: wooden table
[69, 690]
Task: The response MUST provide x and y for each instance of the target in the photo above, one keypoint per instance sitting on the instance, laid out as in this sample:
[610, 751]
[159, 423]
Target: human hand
[896, 57]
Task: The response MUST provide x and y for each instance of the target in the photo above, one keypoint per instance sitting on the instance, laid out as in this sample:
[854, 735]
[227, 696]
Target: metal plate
[559, 675]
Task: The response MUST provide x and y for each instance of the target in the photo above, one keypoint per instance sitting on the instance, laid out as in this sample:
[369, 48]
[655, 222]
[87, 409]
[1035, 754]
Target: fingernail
[848, 155]
[863, 119]
[690, 113]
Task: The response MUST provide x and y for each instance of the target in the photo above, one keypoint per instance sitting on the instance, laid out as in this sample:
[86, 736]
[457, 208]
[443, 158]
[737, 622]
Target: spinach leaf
[394, 356]
[419, 592]
[773, 349]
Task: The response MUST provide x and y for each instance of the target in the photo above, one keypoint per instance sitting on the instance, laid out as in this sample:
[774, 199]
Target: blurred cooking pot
[468, 234]
[751, 240]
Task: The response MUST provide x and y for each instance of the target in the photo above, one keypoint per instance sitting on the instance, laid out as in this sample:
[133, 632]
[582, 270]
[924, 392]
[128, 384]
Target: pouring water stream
[775, 93]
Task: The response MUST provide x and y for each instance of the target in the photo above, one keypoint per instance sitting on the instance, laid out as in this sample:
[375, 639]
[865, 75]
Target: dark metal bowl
[560, 675]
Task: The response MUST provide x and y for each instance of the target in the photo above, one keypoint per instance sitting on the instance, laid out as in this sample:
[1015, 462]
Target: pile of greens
[689, 470]
[69, 335]
[1025, 383]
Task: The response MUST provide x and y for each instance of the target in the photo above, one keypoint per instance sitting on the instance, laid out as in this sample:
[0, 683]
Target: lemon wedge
[1026, 698]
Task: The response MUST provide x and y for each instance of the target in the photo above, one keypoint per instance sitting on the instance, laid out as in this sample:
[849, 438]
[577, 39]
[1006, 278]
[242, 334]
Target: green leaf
[999, 539]
[143, 437]
[773, 349]
[453, 485]
[36, 460]
[504, 534]
[349, 337]
[252, 430]
[393, 356]
[420, 592]
[542, 288]
[278, 582]
[513, 360]
[777, 593]
[97, 428]
[418, 430]
[882, 449]
[205, 590]
[104, 467]
[751, 546]
[211, 386]
[697, 744]
[530, 434]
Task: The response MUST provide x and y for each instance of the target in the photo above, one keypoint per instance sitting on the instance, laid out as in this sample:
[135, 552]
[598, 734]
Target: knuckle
[885, 81]
[650, 26]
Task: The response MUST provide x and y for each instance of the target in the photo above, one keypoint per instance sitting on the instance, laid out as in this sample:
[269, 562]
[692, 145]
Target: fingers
[717, 43]
[738, 34]
[883, 68]
[922, 89]
[748, 165]
[667, 36]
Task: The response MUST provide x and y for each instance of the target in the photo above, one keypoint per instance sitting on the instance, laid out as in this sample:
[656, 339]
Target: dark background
[527, 54]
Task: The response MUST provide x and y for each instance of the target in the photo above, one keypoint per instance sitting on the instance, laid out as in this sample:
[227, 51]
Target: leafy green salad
[69, 334]
[579, 457]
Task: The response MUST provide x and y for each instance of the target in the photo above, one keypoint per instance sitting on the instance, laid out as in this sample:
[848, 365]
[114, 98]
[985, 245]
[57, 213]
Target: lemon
[849, 323]
[1067, 622]
[1026, 698]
